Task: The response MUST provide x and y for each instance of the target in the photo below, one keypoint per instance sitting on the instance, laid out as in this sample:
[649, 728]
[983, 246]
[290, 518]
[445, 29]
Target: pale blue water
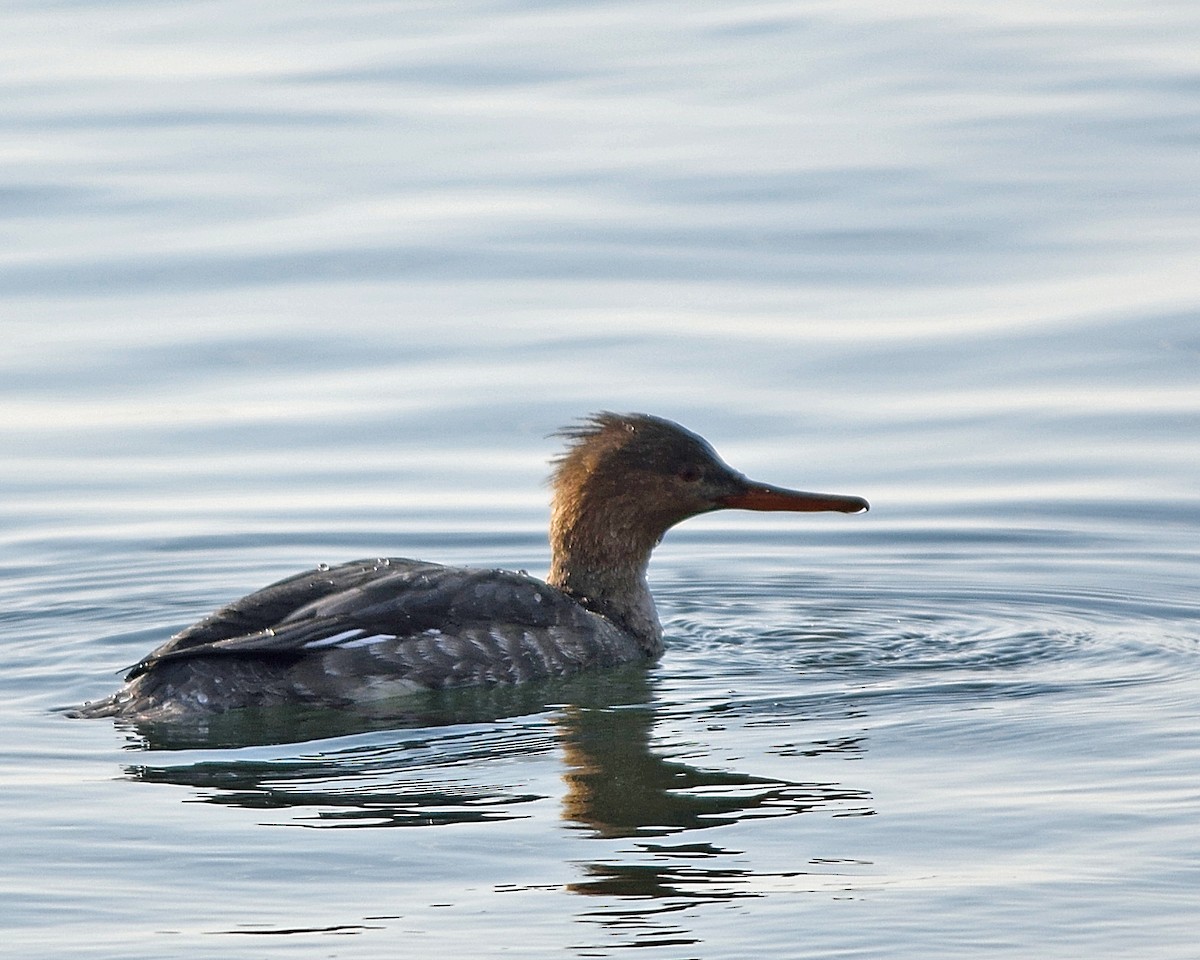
[285, 283]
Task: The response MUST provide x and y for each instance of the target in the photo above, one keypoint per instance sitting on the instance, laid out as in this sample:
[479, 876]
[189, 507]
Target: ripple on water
[774, 644]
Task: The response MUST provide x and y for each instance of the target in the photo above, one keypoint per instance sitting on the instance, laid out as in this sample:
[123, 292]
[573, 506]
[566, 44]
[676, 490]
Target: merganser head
[624, 481]
[643, 474]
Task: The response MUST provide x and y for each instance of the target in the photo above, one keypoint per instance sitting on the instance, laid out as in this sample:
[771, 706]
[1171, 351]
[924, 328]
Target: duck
[375, 629]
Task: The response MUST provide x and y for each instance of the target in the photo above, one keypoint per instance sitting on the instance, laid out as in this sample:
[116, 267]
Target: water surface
[304, 283]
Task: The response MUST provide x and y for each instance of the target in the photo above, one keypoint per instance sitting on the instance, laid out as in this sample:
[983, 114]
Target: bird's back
[370, 630]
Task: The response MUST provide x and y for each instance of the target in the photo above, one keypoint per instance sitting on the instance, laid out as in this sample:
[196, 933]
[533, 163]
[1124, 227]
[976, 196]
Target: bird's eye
[690, 473]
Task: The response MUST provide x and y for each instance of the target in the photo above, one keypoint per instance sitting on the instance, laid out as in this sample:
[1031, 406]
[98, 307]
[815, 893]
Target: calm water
[286, 283]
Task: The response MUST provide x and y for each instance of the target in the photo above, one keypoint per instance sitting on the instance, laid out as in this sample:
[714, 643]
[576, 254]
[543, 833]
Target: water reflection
[618, 787]
[644, 901]
[421, 774]
[684, 877]
[613, 782]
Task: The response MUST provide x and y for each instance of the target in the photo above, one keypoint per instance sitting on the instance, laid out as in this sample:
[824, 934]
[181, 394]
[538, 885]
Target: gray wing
[424, 624]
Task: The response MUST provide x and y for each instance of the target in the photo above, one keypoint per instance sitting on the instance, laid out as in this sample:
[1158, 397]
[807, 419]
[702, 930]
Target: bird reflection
[617, 786]
[430, 764]
[435, 764]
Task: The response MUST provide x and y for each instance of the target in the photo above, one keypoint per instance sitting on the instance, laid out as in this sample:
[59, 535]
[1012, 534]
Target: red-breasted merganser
[376, 629]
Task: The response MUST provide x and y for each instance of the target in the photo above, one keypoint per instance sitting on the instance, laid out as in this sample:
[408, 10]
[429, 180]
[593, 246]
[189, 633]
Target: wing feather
[428, 624]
